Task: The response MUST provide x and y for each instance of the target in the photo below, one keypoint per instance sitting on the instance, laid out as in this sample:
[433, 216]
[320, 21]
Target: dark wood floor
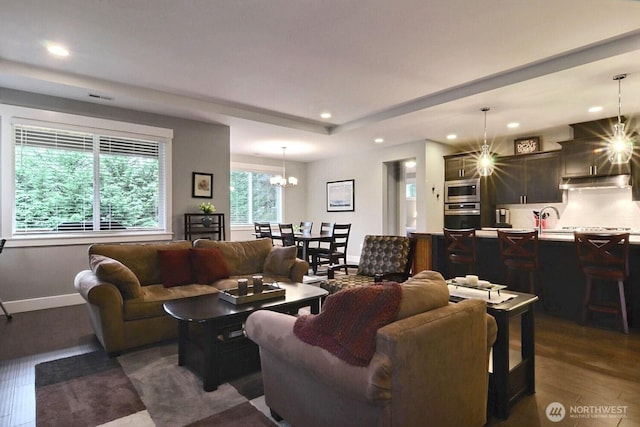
[575, 366]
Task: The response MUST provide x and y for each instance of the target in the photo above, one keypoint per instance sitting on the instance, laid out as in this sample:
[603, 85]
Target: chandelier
[485, 159]
[282, 180]
[620, 147]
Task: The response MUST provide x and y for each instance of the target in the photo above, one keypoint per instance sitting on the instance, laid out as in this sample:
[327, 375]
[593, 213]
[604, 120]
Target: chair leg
[585, 302]
[623, 307]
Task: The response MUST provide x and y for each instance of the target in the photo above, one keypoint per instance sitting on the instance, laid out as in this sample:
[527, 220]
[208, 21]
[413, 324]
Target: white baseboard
[33, 304]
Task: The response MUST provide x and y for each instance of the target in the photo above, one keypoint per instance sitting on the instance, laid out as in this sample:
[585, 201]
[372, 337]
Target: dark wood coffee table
[211, 338]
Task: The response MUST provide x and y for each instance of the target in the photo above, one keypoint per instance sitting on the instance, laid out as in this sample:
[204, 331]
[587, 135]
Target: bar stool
[519, 254]
[461, 249]
[604, 257]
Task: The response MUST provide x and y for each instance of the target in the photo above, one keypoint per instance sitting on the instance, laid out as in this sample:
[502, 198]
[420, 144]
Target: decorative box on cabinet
[530, 178]
[197, 227]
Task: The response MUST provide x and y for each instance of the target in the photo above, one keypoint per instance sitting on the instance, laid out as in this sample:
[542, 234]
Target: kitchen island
[562, 281]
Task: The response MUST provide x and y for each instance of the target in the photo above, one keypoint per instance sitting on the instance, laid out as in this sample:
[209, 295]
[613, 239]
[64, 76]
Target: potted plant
[207, 209]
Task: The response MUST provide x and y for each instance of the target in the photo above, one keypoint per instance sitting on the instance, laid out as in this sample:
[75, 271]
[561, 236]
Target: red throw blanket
[349, 321]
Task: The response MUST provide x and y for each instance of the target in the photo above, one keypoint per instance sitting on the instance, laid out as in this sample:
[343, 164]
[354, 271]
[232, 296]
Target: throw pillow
[425, 291]
[113, 271]
[175, 267]
[208, 265]
[280, 260]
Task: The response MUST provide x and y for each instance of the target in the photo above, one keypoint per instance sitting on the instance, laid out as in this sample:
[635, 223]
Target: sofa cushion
[425, 291]
[113, 271]
[208, 265]
[175, 267]
[141, 258]
[280, 260]
[149, 304]
[242, 258]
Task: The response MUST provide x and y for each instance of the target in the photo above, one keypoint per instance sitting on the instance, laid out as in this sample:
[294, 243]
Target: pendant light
[486, 162]
[282, 180]
[620, 147]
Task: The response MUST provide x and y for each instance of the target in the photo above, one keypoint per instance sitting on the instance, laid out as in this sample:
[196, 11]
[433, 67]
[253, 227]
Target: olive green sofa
[124, 289]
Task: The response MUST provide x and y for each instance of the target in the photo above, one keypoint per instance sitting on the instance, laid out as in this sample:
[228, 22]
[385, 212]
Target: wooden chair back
[286, 235]
[306, 227]
[519, 249]
[605, 256]
[461, 248]
[262, 229]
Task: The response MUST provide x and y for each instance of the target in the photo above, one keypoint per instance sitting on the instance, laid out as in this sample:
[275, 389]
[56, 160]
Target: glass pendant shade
[620, 147]
[485, 162]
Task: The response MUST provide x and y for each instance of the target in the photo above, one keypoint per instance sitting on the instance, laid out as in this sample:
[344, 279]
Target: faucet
[542, 216]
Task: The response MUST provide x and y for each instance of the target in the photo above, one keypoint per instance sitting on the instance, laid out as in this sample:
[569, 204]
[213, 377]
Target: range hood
[591, 182]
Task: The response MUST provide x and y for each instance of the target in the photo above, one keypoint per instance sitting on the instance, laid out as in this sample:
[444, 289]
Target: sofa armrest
[273, 332]
[106, 306]
[299, 269]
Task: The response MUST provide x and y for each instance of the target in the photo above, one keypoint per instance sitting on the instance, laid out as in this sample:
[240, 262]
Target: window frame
[10, 115]
[270, 170]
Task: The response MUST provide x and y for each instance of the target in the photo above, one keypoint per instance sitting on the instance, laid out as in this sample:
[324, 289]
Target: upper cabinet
[588, 157]
[532, 178]
[460, 166]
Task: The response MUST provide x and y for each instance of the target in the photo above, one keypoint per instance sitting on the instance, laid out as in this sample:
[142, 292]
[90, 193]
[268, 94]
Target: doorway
[400, 213]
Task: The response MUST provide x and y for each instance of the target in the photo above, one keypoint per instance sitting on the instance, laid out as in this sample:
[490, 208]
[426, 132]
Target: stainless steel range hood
[592, 182]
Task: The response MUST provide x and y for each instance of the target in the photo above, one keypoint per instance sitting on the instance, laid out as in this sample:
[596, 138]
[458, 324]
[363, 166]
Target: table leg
[183, 336]
[210, 377]
[315, 306]
[501, 366]
[528, 347]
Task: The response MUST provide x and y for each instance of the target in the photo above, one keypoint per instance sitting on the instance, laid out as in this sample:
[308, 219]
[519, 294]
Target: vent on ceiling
[103, 97]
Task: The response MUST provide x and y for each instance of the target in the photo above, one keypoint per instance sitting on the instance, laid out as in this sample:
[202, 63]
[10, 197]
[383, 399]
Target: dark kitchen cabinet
[460, 166]
[532, 178]
[588, 157]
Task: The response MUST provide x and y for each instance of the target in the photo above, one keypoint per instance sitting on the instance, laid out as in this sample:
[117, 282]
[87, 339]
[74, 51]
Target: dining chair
[326, 229]
[337, 248]
[287, 235]
[262, 229]
[306, 227]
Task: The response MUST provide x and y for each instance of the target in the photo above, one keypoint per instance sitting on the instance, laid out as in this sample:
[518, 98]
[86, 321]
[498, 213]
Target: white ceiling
[403, 70]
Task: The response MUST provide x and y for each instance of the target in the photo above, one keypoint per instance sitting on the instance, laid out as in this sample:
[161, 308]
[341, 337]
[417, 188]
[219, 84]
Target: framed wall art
[202, 185]
[527, 145]
[340, 196]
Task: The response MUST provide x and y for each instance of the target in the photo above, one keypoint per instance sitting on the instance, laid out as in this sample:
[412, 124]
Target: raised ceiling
[404, 70]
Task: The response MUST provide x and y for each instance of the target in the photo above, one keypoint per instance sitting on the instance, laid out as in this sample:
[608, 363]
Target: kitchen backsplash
[610, 207]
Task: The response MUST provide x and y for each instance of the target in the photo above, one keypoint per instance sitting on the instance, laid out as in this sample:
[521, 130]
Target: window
[84, 179]
[253, 198]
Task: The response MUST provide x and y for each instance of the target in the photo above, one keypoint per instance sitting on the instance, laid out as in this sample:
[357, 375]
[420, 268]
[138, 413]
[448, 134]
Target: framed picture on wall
[202, 185]
[340, 196]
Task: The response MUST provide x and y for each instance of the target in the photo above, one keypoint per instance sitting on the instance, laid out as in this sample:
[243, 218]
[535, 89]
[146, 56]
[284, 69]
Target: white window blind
[68, 181]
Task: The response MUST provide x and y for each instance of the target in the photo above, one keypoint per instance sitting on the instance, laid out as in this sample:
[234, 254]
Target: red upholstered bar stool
[519, 254]
[605, 258]
[461, 249]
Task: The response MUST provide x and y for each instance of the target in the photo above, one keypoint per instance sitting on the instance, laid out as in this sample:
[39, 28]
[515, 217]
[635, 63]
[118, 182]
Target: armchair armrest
[331, 269]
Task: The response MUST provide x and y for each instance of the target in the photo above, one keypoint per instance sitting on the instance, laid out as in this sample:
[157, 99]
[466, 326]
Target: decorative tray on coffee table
[483, 285]
[270, 291]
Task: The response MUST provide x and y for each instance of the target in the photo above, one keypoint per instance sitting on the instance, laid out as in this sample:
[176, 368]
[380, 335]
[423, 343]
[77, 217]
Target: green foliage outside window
[253, 198]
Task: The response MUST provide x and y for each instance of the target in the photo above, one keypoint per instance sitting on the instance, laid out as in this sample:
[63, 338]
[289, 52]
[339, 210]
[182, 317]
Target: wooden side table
[510, 378]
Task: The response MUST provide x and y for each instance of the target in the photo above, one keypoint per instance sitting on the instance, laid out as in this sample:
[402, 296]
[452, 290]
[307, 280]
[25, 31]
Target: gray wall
[28, 273]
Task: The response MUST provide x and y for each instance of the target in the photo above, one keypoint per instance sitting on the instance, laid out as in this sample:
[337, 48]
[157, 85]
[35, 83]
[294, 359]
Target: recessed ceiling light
[595, 109]
[410, 163]
[513, 125]
[452, 136]
[378, 140]
[57, 50]
[325, 115]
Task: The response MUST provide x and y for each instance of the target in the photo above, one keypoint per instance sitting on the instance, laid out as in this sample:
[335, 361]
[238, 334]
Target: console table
[212, 229]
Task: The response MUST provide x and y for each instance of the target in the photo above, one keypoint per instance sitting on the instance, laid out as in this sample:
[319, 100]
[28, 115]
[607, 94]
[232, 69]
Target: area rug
[142, 388]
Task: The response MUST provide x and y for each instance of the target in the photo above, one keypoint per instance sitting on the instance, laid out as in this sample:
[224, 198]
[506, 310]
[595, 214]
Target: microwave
[462, 191]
